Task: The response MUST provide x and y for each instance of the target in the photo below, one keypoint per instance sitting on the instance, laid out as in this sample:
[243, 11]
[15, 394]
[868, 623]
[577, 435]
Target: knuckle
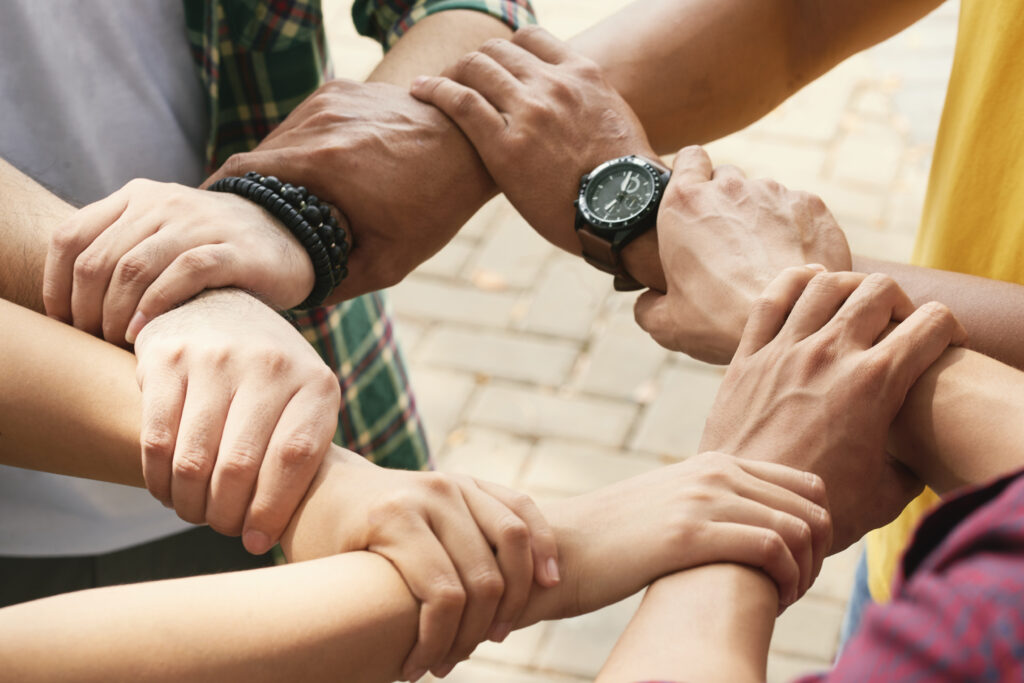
[939, 314]
[771, 546]
[197, 261]
[513, 531]
[241, 463]
[731, 185]
[88, 267]
[298, 450]
[487, 585]
[448, 595]
[192, 465]
[588, 69]
[466, 63]
[493, 46]
[440, 485]
[131, 269]
[157, 445]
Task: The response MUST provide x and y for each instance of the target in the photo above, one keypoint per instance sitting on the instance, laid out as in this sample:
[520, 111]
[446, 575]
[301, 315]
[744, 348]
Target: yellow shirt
[974, 213]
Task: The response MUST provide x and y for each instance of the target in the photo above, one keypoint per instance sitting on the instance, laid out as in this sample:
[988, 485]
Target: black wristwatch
[618, 202]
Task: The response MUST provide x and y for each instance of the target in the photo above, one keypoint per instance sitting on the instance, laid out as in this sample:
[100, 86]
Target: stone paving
[519, 353]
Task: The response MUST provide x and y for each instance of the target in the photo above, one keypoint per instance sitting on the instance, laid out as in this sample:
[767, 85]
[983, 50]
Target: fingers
[163, 397]
[95, 267]
[769, 311]
[68, 241]
[876, 302]
[470, 110]
[542, 536]
[132, 276]
[539, 42]
[482, 73]
[918, 341]
[518, 61]
[757, 546]
[692, 165]
[428, 570]
[300, 440]
[480, 578]
[819, 302]
[509, 535]
[195, 452]
[208, 266]
[248, 427]
[806, 524]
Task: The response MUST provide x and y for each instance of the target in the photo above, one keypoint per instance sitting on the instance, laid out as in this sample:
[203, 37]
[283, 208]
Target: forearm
[434, 43]
[961, 422]
[986, 308]
[695, 70]
[348, 617]
[29, 215]
[711, 623]
[57, 375]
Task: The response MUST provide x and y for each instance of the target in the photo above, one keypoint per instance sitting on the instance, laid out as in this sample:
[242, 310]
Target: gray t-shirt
[94, 93]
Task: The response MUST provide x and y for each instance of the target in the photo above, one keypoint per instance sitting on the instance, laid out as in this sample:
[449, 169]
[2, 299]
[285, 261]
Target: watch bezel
[612, 228]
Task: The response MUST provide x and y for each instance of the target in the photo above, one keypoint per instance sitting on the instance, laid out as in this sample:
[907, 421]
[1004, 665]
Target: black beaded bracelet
[305, 216]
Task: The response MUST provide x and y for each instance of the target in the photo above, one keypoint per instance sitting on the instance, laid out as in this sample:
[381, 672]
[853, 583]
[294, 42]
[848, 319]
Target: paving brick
[809, 629]
[567, 299]
[573, 468]
[500, 354]
[545, 414]
[673, 423]
[783, 668]
[836, 578]
[421, 298]
[440, 398]
[582, 644]
[483, 221]
[520, 648]
[623, 361]
[449, 261]
[485, 454]
[512, 256]
[488, 672]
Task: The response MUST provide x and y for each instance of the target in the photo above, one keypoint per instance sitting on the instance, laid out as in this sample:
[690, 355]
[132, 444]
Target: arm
[346, 617]
[27, 219]
[777, 522]
[695, 70]
[708, 624]
[979, 303]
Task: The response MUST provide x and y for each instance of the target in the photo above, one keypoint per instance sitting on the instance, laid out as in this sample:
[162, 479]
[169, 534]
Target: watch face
[620, 192]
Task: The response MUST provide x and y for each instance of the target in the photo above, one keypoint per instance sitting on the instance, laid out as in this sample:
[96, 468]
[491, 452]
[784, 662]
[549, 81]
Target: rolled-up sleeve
[387, 20]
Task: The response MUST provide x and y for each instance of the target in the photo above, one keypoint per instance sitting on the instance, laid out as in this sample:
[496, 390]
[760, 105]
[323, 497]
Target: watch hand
[625, 182]
[611, 204]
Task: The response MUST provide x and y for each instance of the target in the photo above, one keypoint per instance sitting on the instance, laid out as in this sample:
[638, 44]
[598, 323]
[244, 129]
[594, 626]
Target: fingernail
[418, 81]
[816, 266]
[444, 670]
[499, 632]
[417, 675]
[553, 575]
[256, 542]
[138, 321]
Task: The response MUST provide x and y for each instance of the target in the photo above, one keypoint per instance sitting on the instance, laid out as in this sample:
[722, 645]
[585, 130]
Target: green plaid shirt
[257, 60]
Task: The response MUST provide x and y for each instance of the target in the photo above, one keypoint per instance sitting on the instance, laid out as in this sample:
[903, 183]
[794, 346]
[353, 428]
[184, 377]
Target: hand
[541, 117]
[237, 413]
[404, 177]
[709, 508]
[812, 387]
[469, 550]
[722, 238]
[122, 261]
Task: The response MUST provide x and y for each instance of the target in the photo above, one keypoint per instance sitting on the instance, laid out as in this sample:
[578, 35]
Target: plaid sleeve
[387, 20]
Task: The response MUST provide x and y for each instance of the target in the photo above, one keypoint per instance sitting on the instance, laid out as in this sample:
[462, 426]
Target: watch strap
[603, 255]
